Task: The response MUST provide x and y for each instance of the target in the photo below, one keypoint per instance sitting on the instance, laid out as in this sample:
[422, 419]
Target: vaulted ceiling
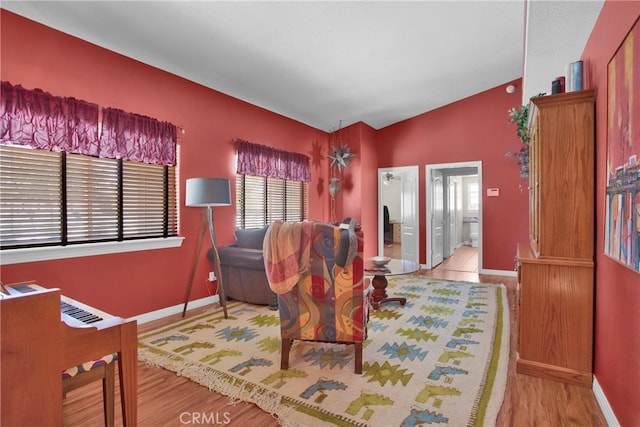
[317, 62]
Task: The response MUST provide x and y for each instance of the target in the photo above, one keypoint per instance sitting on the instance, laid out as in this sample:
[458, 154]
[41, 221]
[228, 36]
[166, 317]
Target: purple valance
[139, 138]
[37, 119]
[261, 160]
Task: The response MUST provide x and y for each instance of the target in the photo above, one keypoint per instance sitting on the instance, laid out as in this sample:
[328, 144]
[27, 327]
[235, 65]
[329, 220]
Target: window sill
[18, 256]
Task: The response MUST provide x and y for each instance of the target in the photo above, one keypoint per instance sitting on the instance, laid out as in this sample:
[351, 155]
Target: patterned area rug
[441, 359]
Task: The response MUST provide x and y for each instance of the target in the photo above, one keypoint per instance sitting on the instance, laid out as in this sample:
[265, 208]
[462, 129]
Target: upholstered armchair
[317, 271]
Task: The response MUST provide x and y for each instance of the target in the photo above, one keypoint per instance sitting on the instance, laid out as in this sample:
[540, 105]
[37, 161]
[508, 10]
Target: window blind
[91, 198]
[144, 199]
[261, 201]
[53, 198]
[30, 196]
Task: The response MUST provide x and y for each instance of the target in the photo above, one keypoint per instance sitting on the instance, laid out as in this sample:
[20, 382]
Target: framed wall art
[622, 198]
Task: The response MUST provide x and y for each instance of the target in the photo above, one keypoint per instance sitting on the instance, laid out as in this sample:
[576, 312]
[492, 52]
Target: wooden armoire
[556, 267]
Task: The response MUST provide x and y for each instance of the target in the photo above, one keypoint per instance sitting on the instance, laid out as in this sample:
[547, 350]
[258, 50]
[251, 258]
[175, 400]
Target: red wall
[617, 336]
[129, 284]
[369, 187]
[360, 198]
[472, 129]
[36, 56]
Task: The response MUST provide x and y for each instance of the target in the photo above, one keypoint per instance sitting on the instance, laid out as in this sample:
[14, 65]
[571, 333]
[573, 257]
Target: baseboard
[509, 273]
[601, 398]
[164, 312]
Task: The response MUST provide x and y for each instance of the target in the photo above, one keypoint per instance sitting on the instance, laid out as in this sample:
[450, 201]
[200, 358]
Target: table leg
[379, 294]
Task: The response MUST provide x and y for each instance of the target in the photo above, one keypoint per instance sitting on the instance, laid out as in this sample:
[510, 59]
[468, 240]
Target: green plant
[519, 117]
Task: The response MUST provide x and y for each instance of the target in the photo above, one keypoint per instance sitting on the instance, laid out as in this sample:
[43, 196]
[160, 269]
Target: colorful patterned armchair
[317, 271]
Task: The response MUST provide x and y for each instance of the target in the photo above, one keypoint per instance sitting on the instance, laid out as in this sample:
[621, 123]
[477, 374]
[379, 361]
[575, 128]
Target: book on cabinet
[555, 268]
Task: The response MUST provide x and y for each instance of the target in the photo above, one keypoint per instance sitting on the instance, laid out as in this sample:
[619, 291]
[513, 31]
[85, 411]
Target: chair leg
[108, 394]
[284, 360]
[358, 359]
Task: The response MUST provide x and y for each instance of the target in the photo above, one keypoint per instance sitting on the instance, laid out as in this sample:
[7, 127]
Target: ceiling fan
[387, 177]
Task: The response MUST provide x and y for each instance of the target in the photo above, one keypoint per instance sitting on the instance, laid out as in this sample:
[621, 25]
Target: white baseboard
[164, 312]
[509, 273]
[601, 398]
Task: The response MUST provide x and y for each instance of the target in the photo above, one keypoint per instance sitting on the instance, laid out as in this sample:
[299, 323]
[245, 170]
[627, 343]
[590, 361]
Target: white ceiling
[317, 62]
[557, 33]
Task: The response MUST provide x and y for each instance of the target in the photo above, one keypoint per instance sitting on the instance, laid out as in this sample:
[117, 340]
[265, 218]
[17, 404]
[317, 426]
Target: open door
[403, 204]
[409, 225]
[437, 219]
[442, 224]
[451, 240]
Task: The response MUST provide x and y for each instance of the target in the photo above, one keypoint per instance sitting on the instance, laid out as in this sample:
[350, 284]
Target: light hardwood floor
[165, 399]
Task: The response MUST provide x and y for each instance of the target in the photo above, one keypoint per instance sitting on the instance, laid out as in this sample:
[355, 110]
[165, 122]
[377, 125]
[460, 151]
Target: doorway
[398, 205]
[453, 210]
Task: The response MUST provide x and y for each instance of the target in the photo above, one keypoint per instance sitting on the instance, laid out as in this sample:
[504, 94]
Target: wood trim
[553, 372]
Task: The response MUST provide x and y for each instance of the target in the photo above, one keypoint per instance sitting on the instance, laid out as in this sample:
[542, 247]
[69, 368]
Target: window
[473, 199]
[73, 172]
[56, 198]
[271, 185]
[260, 201]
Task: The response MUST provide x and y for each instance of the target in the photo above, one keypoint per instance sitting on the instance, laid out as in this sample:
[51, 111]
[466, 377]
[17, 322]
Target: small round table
[393, 268]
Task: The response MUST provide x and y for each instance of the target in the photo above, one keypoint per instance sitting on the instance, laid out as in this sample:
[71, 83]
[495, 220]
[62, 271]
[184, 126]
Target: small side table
[395, 267]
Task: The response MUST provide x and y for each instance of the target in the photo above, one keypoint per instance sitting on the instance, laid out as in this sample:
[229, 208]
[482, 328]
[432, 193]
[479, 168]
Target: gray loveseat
[242, 268]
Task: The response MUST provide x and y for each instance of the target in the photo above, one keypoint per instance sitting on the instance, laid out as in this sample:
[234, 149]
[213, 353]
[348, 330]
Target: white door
[434, 205]
[452, 199]
[409, 236]
[437, 223]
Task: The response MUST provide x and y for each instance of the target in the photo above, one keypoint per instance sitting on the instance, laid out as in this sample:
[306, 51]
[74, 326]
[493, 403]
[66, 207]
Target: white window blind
[30, 196]
[144, 199]
[58, 199]
[92, 198]
[260, 201]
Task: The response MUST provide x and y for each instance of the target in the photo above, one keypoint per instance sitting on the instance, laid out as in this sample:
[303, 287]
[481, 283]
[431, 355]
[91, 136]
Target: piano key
[72, 312]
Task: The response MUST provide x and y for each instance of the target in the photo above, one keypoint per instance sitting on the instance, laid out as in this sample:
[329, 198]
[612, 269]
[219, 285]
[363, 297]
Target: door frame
[429, 205]
[416, 204]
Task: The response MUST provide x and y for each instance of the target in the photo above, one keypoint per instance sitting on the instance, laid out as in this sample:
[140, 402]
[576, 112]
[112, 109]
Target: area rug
[440, 359]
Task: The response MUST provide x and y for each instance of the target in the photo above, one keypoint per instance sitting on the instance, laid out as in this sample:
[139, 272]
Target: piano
[43, 333]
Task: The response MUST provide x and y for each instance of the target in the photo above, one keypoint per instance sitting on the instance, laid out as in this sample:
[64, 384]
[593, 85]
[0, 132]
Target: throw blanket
[286, 251]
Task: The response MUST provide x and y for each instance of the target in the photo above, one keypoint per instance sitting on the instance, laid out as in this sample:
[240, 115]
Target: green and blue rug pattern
[439, 360]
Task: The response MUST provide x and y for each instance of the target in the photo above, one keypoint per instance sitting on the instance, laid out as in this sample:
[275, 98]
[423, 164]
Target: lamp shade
[208, 192]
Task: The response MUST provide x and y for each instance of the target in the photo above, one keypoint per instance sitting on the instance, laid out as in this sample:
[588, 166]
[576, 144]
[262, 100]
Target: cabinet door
[534, 187]
[562, 169]
[555, 321]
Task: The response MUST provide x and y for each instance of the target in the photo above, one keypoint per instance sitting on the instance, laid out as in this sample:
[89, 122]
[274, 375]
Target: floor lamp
[207, 193]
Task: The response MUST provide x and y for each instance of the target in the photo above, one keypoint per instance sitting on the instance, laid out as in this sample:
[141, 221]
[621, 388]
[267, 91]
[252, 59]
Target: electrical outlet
[212, 276]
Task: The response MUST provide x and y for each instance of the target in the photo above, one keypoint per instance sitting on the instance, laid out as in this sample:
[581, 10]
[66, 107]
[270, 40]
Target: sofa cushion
[232, 255]
[250, 238]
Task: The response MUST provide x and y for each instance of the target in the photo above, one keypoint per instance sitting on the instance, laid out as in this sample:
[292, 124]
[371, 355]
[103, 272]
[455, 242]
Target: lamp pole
[206, 193]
